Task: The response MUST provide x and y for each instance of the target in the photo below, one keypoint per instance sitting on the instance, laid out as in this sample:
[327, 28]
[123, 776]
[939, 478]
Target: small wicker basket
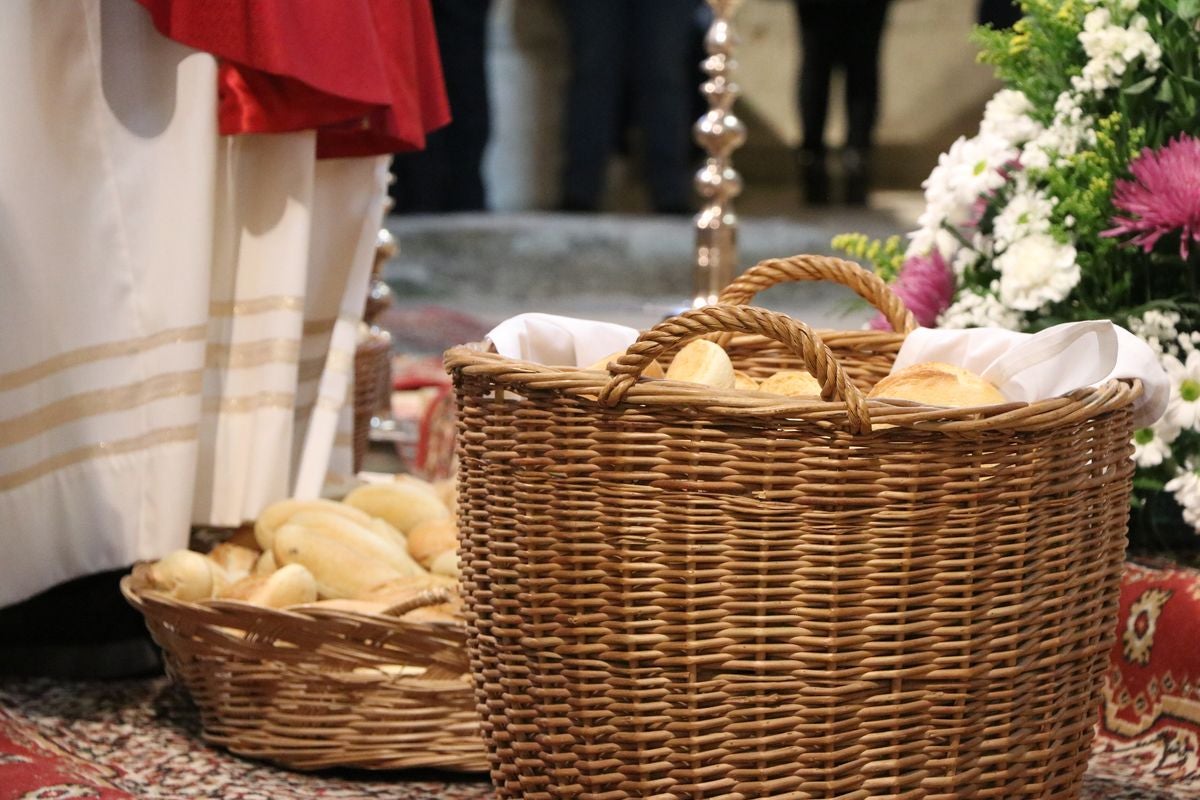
[320, 688]
[372, 387]
[681, 593]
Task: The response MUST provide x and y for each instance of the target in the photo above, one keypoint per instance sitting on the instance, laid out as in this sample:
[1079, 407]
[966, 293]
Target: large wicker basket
[678, 592]
[320, 688]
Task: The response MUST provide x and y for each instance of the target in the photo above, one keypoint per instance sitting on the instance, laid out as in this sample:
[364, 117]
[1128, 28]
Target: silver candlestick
[719, 132]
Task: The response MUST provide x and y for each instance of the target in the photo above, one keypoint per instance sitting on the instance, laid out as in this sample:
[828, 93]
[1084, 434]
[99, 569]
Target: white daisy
[970, 169]
[1186, 488]
[1152, 446]
[1183, 409]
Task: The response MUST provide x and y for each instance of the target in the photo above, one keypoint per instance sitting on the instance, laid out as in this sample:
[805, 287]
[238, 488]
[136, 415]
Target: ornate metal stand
[719, 132]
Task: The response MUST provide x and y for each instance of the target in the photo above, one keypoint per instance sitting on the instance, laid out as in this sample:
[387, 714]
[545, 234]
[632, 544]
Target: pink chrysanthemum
[926, 286]
[1163, 197]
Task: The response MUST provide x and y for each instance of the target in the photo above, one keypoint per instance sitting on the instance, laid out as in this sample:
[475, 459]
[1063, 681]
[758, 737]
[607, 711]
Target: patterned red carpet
[141, 739]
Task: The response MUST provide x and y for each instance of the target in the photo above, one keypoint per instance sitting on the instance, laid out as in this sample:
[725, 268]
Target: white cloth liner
[1023, 366]
[559, 341]
[1035, 366]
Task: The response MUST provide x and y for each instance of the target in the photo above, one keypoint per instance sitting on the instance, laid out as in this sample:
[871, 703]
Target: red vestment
[365, 74]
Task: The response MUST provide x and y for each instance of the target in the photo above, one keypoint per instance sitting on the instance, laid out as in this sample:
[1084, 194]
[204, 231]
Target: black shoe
[814, 178]
[82, 630]
[856, 173]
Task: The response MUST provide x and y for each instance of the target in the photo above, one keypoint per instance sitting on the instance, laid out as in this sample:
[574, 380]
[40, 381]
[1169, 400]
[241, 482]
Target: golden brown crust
[791, 383]
[431, 538]
[744, 382]
[236, 560]
[938, 384]
[703, 362]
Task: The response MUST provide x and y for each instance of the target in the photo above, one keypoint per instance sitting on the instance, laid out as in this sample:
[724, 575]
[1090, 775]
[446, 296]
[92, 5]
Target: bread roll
[265, 564]
[237, 561]
[704, 362]
[242, 589]
[403, 504]
[431, 538]
[447, 492]
[445, 563]
[407, 590]
[362, 539]
[278, 513]
[288, 586]
[386, 532]
[340, 571]
[220, 580]
[744, 382]
[652, 370]
[443, 613]
[412, 481]
[244, 537]
[791, 383]
[185, 575]
[937, 384]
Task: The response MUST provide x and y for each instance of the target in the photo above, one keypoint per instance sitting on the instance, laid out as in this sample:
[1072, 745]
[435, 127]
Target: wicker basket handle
[865, 284]
[796, 336]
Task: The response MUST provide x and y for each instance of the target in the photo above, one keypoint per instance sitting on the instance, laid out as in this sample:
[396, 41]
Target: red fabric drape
[365, 74]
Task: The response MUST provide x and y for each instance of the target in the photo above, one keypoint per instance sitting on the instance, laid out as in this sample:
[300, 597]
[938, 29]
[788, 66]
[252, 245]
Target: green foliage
[1083, 187]
[1041, 53]
[886, 256]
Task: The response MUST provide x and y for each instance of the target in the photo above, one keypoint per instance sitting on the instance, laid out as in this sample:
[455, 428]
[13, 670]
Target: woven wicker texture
[320, 688]
[866, 355]
[372, 388]
[677, 592]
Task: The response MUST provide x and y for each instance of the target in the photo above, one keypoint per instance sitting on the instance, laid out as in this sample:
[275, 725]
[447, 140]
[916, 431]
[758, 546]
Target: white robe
[178, 310]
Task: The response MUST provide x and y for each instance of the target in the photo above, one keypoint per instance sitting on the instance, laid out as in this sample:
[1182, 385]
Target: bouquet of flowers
[1078, 199]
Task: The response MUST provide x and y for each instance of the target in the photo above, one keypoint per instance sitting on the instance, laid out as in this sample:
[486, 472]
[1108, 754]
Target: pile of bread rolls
[706, 362]
[378, 551]
[934, 384]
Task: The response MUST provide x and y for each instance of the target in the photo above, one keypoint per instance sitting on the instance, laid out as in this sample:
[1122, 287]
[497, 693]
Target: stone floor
[457, 273]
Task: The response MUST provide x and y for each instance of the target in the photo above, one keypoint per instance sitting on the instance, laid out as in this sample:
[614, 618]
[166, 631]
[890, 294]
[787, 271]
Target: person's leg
[818, 52]
[445, 175]
[420, 180]
[661, 71]
[862, 32]
[462, 39]
[597, 33]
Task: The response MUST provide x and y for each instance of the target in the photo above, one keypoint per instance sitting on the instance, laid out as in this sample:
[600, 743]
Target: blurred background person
[843, 34]
[646, 47]
[447, 175]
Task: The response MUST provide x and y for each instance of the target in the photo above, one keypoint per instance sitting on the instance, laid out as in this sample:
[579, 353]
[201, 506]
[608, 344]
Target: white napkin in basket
[559, 341]
[1023, 366]
[1034, 366]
